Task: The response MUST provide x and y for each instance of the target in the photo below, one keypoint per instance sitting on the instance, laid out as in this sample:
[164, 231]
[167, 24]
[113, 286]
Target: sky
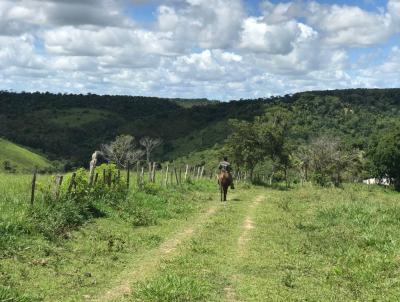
[216, 49]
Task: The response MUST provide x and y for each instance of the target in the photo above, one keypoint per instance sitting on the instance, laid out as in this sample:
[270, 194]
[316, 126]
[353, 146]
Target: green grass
[300, 244]
[308, 244]
[82, 261]
[20, 158]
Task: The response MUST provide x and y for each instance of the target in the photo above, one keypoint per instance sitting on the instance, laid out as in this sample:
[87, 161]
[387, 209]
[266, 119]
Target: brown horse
[224, 181]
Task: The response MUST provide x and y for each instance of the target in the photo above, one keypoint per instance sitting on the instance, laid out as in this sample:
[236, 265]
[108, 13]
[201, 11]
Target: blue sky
[220, 49]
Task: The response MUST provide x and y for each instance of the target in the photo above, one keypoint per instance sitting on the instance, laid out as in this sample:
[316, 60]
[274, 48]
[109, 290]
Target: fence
[166, 175]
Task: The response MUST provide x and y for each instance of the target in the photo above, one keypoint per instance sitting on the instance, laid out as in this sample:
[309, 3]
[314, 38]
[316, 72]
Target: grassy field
[182, 244]
[20, 158]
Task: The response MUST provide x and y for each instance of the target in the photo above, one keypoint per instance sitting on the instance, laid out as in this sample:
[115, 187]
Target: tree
[122, 151]
[253, 142]
[149, 144]
[301, 160]
[329, 160]
[243, 145]
[385, 155]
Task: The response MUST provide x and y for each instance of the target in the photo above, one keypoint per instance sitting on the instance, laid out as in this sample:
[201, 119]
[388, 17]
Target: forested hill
[70, 127]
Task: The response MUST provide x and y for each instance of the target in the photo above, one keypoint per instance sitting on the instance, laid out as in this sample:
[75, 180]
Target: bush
[54, 219]
[76, 201]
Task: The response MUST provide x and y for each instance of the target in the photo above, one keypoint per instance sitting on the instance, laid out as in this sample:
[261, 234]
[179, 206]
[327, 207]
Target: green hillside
[70, 127]
[16, 158]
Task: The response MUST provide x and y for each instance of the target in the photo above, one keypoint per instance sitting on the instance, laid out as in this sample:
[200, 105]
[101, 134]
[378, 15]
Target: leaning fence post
[33, 187]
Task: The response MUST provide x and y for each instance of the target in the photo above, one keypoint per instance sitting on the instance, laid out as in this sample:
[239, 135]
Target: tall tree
[273, 132]
[149, 143]
[122, 151]
[385, 155]
[252, 142]
[243, 145]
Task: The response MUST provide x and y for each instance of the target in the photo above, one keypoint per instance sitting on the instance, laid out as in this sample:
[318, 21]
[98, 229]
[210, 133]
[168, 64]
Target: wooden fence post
[109, 178]
[153, 173]
[128, 174]
[186, 172]
[166, 175]
[33, 187]
[150, 171]
[137, 174]
[57, 181]
[176, 176]
[71, 183]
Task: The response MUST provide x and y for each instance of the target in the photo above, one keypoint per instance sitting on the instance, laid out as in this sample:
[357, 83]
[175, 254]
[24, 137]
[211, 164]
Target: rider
[226, 167]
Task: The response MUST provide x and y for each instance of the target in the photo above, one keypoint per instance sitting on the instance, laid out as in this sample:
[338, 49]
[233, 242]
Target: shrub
[76, 201]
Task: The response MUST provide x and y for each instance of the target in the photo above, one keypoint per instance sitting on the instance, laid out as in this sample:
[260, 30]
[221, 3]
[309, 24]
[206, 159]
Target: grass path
[146, 266]
[247, 226]
[203, 267]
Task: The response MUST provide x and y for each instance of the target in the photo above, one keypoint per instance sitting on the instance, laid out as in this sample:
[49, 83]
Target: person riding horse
[225, 166]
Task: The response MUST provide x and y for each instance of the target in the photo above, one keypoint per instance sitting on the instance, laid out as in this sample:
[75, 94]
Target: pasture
[179, 243]
[17, 158]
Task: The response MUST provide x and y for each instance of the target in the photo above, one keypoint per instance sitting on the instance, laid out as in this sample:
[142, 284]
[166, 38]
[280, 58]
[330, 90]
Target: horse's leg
[221, 191]
[225, 192]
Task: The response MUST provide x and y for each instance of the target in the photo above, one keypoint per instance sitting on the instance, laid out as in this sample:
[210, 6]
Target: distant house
[377, 181]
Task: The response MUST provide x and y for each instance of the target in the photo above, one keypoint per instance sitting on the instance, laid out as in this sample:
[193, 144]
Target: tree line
[269, 143]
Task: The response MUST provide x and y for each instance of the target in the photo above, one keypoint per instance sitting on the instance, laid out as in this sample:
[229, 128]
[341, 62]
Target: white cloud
[351, 26]
[197, 23]
[19, 52]
[194, 48]
[259, 36]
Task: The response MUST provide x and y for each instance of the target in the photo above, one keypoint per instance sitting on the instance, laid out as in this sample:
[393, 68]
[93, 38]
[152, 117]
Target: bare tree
[122, 151]
[149, 144]
[329, 160]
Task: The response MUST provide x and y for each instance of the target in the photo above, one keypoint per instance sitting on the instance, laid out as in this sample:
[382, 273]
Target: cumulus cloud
[202, 24]
[194, 48]
[260, 36]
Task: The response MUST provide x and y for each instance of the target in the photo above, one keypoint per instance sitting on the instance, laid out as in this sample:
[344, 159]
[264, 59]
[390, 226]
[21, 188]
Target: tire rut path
[150, 262]
[241, 246]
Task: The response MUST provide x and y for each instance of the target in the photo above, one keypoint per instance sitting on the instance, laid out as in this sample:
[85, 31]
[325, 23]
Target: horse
[224, 181]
